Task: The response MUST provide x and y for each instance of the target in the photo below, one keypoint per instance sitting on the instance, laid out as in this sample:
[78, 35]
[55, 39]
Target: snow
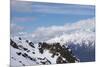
[26, 61]
[76, 38]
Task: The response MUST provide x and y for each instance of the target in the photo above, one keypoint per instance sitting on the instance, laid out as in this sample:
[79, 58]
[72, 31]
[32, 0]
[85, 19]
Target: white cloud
[84, 29]
[15, 30]
[46, 33]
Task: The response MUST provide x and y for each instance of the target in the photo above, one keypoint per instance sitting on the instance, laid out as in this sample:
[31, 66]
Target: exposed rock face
[13, 44]
[58, 50]
[28, 53]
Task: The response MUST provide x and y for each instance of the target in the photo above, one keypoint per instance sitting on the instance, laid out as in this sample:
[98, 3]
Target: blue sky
[31, 15]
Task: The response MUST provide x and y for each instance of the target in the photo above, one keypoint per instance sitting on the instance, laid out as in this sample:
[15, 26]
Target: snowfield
[29, 53]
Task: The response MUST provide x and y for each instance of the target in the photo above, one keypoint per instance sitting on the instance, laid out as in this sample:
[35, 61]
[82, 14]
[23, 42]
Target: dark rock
[41, 50]
[31, 44]
[56, 48]
[13, 44]
[43, 62]
[28, 50]
[25, 55]
[20, 38]
[27, 41]
[20, 61]
[33, 52]
[18, 53]
[23, 47]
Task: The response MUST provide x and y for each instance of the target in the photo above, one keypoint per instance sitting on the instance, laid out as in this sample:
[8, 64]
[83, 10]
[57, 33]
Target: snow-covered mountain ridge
[76, 38]
[24, 52]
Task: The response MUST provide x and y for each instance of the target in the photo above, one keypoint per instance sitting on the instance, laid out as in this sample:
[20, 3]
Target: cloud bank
[81, 30]
[44, 33]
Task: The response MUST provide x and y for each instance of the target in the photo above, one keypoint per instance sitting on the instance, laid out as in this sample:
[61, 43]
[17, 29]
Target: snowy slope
[75, 46]
[82, 44]
[76, 38]
[22, 53]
